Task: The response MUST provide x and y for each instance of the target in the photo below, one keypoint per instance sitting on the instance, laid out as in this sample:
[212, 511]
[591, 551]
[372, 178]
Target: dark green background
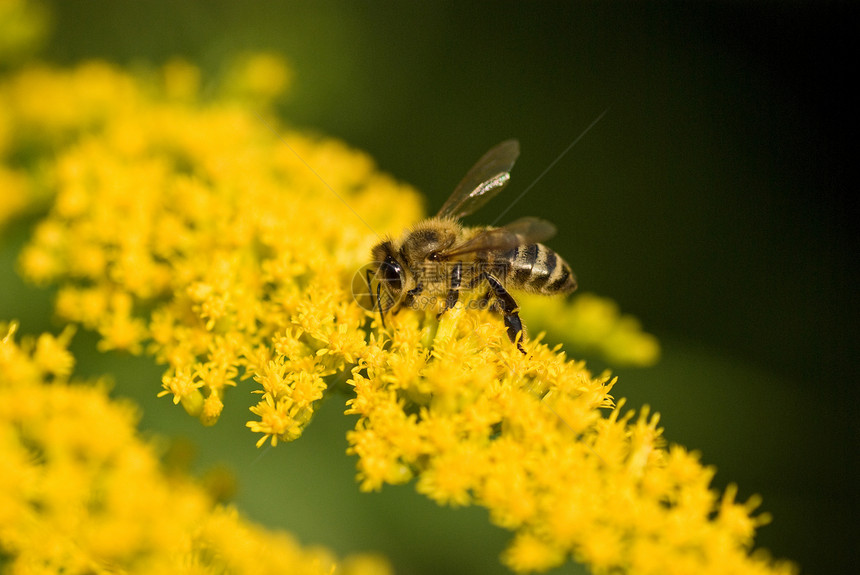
[712, 201]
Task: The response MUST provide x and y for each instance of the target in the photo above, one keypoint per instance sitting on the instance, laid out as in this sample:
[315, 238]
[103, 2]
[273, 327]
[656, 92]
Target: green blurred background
[711, 201]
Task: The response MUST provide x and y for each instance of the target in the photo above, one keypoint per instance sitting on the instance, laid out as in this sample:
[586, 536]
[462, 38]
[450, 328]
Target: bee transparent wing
[486, 179]
[531, 230]
[523, 231]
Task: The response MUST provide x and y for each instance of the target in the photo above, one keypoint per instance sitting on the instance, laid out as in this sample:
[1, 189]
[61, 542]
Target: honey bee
[429, 266]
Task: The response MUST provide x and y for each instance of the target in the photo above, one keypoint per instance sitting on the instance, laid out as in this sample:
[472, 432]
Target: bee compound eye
[391, 273]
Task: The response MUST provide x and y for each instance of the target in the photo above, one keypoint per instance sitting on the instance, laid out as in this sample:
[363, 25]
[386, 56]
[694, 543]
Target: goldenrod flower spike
[70, 455]
[192, 231]
[479, 423]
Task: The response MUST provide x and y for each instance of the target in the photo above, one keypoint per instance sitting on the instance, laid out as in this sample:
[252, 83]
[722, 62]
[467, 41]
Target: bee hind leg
[507, 306]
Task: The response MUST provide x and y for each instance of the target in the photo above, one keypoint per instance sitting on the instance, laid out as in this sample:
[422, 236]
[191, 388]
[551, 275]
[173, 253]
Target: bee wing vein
[486, 179]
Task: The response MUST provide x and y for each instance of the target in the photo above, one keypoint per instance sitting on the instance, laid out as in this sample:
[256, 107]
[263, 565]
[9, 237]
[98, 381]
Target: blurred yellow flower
[593, 324]
[194, 231]
[23, 26]
[256, 77]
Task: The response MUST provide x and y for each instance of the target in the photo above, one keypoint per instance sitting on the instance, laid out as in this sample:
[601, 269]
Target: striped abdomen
[537, 269]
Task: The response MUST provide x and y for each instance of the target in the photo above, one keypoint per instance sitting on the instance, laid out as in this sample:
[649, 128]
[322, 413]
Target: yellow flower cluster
[478, 422]
[70, 456]
[192, 231]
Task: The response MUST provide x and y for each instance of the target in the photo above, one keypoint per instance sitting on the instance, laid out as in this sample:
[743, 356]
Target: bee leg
[453, 289]
[379, 305]
[508, 307]
[409, 300]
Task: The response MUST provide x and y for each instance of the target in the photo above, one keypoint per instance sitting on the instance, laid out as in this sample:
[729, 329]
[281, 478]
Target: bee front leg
[453, 289]
[409, 298]
[510, 311]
